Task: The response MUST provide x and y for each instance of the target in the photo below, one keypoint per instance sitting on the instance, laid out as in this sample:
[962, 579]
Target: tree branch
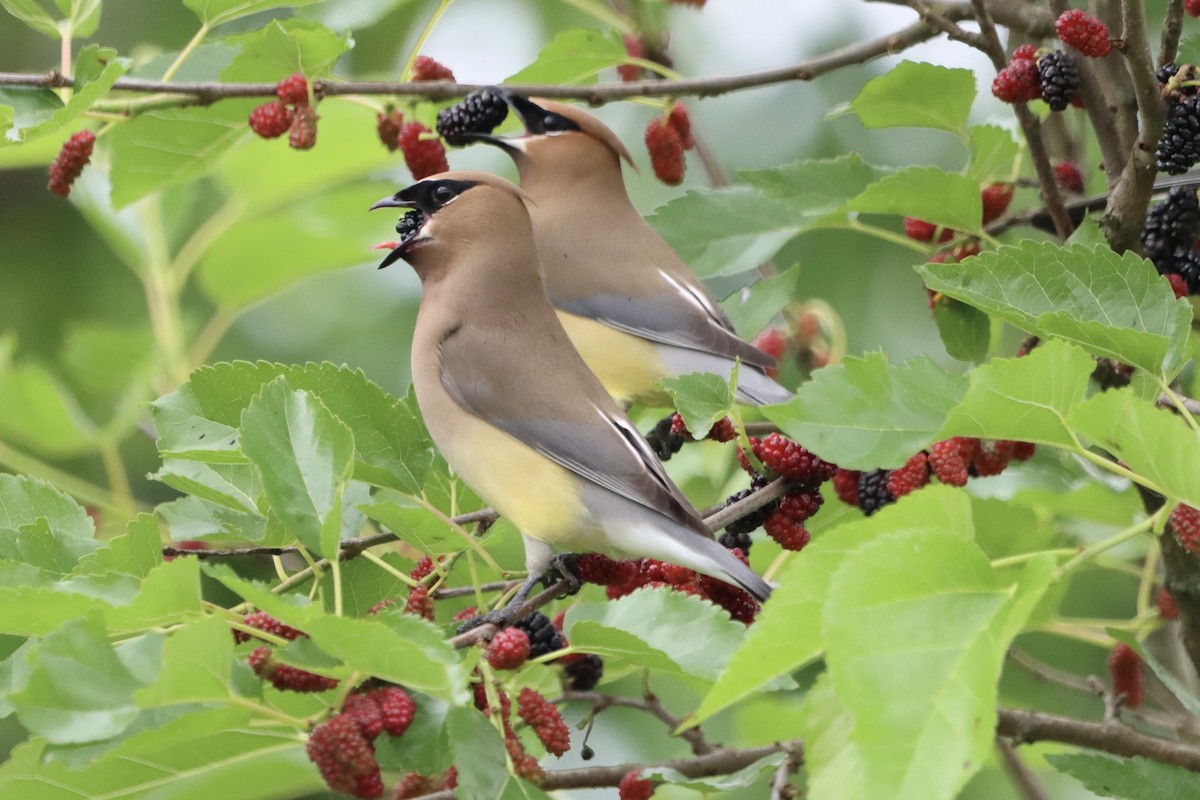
[1051, 197]
[207, 92]
[1022, 777]
[1027, 727]
[1172, 27]
[1126, 210]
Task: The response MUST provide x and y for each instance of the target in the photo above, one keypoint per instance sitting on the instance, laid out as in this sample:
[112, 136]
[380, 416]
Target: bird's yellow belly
[541, 498]
[627, 365]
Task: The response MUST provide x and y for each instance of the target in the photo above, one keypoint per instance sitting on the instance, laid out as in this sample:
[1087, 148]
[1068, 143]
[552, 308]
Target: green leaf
[400, 648]
[831, 758]
[816, 187]
[734, 780]
[483, 772]
[284, 47]
[1024, 399]
[413, 523]
[392, 445]
[184, 430]
[193, 518]
[235, 486]
[196, 757]
[37, 545]
[965, 330]
[993, 154]
[917, 95]
[105, 360]
[33, 15]
[342, 240]
[726, 231]
[1110, 305]
[1151, 441]
[28, 107]
[928, 193]
[25, 499]
[752, 309]
[82, 98]
[924, 716]
[217, 12]
[83, 16]
[171, 146]
[865, 413]
[169, 594]
[133, 553]
[197, 660]
[304, 455]
[787, 634]
[1134, 778]
[701, 398]
[664, 631]
[573, 57]
[42, 414]
[425, 746]
[78, 688]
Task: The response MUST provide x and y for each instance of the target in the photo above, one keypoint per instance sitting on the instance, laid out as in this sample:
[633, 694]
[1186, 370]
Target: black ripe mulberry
[583, 675]
[873, 493]
[1170, 227]
[479, 112]
[1179, 147]
[1059, 78]
[543, 636]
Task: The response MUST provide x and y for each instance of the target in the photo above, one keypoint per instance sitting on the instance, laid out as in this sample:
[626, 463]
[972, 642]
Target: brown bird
[635, 311]
[512, 406]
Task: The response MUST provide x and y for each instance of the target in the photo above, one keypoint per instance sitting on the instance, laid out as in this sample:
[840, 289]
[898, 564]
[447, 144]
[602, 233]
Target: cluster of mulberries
[721, 431]
[524, 765]
[951, 461]
[478, 112]
[419, 602]
[292, 114]
[262, 659]
[1052, 77]
[625, 577]
[424, 155]
[1169, 239]
[343, 746]
[1179, 146]
[995, 199]
[667, 136]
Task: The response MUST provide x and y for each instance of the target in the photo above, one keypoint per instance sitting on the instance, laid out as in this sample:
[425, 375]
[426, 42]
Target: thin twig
[1023, 779]
[1051, 197]
[1027, 727]
[1172, 27]
[649, 704]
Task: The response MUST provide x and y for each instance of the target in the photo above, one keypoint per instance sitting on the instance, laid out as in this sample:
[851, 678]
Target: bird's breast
[626, 364]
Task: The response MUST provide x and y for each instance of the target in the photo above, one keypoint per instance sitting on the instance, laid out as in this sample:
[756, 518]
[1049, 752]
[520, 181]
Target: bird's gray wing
[680, 316]
[568, 418]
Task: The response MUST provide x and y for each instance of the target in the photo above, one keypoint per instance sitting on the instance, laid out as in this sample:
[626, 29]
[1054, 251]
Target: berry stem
[335, 565]
[886, 235]
[162, 296]
[1179, 405]
[1148, 581]
[388, 568]
[1022, 558]
[654, 66]
[187, 50]
[118, 479]
[420, 43]
[1091, 551]
[267, 711]
[64, 59]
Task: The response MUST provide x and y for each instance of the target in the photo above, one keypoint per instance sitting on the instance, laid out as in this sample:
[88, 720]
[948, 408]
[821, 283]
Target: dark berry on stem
[478, 112]
[634, 49]
[387, 126]
[345, 758]
[1059, 78]
[303, 134]
[1171, 227]
[873, 493]
[995, 197]
[424, 157]
[584, 674]
[428, 69]
[543, 636]
[1019, 82]
[1068, 177]
[665, 146]
[1179, 146]
[1128, 679]
[845, 483]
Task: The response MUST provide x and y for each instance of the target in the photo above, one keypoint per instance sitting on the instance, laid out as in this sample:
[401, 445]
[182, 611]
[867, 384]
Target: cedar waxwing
[512, 406]
[635, 311]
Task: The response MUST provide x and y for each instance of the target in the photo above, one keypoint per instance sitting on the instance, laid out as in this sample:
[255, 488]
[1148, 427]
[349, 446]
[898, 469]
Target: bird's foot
[564, 565]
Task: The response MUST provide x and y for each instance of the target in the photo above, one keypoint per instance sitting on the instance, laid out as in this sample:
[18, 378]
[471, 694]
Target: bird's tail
[756, 388]
[733, 570]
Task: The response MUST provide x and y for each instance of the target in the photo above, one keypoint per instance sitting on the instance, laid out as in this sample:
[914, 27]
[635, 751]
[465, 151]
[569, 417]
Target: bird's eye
[553, 123]
[442, 195]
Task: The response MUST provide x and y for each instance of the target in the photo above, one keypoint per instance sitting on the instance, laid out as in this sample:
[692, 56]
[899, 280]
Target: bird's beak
[526, 109]
[503, 143]
[397, 253]
[393, 201]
